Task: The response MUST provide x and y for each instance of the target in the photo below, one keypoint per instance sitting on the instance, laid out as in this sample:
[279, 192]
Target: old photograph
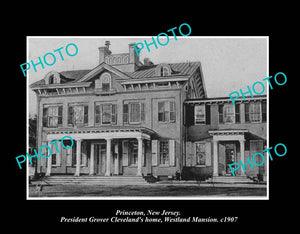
[137, 118]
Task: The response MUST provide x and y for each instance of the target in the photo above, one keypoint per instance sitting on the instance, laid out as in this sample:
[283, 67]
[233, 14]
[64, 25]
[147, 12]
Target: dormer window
[163, 70]
[52, 78]
[104, 82]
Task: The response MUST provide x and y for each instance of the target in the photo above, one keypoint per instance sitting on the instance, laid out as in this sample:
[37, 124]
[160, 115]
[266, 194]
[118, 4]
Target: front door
[230, 156]
[100, 158]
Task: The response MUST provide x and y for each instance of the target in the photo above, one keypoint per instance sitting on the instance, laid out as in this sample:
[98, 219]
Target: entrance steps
[230, 179]
[94, 180]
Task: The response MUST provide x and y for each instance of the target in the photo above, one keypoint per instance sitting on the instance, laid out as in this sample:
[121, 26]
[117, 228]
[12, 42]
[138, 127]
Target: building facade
[132, 118]
[126, 117]
[220, 133]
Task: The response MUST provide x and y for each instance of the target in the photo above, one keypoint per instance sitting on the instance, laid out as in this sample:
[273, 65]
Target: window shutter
[113, 114]
[84, 154]
[172, 145]
[60, 115]
[172, 111]
[125, 113]
[125, 153]
[142, 112]
[86, 114]
[69, 157]
[264, 111]
[208, 153]
[45, 117]
[188, 153]
[189, 115]
[220, 108]
[247, 117]
[193, 154]
[97, 114]
[70, 115]
[58, 155]
[207, 114]
[237, 113]
[154, 152]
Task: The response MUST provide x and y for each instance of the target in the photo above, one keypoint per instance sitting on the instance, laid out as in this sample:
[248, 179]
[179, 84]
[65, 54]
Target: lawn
[140, 191]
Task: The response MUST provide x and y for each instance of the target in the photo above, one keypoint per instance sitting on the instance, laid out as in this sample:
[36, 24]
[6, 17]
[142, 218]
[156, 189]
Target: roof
[178, 69]
[74, 74]
[225, 99]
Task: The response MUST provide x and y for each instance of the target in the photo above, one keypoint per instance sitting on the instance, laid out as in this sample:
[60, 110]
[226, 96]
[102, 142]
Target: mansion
[131, 118]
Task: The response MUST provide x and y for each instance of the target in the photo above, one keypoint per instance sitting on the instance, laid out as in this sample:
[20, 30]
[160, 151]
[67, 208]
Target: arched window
[52, 78]
[105, 80]
[163, 70]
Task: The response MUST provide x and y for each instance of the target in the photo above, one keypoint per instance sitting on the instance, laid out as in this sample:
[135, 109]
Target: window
[52, 78]
[105, 81]
[134, 112]
[200, 154]
[164, 71]
[52, 116]
[166, 111]
[253, 113]
[229, 114]
[106, 113]
[200, 114]
[78, 115]
[163, 152]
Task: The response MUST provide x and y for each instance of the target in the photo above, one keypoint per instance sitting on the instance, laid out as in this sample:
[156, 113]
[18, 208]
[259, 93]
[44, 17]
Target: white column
[140, 152]
[216, 161]
[78, 154]
[242, 148]
[92, 159]
[117, 158]
[49, 161]
[108, 156]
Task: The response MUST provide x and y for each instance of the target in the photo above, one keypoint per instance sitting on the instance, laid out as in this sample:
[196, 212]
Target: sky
[228, 63]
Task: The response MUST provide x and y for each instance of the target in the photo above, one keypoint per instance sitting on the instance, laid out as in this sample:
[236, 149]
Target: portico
[106, 148]
[229, 138]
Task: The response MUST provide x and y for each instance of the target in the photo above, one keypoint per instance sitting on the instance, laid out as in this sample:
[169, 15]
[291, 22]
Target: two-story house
[125, 116]
[220, 133]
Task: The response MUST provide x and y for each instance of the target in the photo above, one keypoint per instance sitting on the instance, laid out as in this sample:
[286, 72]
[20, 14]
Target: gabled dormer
[52, 77]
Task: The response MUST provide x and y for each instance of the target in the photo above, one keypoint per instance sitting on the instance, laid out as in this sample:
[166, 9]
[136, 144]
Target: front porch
[106, 152]
[231, 146]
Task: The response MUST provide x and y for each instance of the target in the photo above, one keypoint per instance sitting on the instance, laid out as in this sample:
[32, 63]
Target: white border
[148, 197]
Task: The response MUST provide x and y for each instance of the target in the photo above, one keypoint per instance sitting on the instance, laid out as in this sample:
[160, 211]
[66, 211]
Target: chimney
[133, 58]
[147, 62]
[104, 51]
